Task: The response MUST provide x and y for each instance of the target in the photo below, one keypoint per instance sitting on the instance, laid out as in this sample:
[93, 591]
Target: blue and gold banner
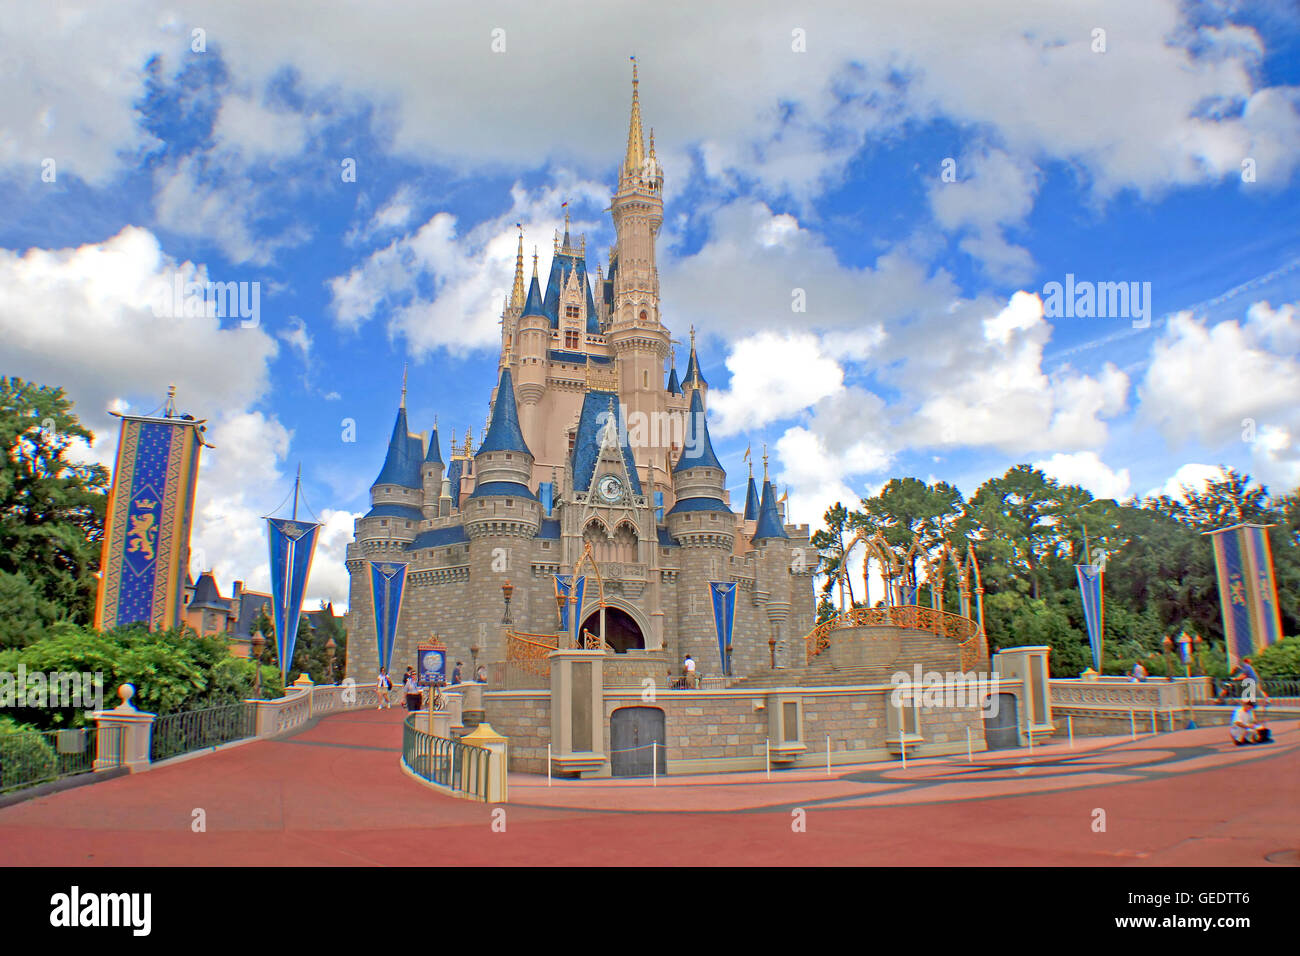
[292, 545]
[562, 583]
[387, 579]
[146, 547]
[1247, 589]
[723, 594]
[1092, 591]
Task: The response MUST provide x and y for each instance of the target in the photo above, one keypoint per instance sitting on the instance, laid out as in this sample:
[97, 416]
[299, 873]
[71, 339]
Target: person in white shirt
[688, 665]
[383, 685]
[1245, 729]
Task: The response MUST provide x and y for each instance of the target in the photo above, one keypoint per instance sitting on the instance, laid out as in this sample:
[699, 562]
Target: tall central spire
[517, 294]
[635, 147]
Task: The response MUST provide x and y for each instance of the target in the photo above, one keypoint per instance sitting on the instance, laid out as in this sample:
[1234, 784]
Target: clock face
[610, 488]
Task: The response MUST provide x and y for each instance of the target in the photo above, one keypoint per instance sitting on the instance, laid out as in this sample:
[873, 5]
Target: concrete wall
[729, 729]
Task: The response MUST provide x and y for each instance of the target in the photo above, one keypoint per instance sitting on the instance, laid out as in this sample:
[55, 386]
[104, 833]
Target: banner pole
[768, 758]
[654, 771]
[902, 746]
[970, 758]
[1069, 725]
[1132, 724]
[828, 755]
[548, 765]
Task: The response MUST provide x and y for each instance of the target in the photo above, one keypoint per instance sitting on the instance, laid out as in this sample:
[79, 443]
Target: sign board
[431, 665]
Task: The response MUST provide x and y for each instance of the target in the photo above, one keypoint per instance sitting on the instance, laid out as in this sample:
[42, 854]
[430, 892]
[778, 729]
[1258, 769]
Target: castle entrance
[621, 631]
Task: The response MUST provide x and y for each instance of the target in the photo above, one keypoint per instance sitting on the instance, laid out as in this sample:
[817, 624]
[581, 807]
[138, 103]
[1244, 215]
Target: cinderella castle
[593, 441]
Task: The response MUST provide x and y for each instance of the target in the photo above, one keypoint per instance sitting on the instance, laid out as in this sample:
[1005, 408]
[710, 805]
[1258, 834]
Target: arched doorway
[621, 631]
[636, 742]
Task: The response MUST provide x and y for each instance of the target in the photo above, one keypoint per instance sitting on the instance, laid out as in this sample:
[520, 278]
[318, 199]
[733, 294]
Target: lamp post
[1185, 652]
[560, 600]
[473, 656]
[1168, 644]
[258, 643]
[330, 648]
[1196, 650]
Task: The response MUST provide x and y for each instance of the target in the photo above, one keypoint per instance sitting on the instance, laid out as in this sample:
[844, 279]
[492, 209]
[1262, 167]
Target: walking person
[455, 674]
[384, 687]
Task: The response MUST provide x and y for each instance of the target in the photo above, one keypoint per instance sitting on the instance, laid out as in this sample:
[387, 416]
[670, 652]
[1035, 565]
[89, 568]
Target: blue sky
[803, 152]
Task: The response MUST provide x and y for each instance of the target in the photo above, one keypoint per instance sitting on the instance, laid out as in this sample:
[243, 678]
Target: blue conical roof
[702, 456]
[769, 520]
[402, 463]
[434, 457]
[674, 386]
[504, 433]
[751, 501]
[533, 304]
[693, 370]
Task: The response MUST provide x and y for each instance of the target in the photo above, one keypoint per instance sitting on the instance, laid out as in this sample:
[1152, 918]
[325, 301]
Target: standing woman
[383, 686]
[413, 693]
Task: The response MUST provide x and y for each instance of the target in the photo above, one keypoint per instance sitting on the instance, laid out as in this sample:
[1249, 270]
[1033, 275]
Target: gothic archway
[622, 632]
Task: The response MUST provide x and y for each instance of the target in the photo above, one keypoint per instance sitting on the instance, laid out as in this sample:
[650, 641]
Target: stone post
[485, 737]
[577, 711]
[132, 728]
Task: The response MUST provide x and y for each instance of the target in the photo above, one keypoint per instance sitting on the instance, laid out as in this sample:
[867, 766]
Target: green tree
[51, 513]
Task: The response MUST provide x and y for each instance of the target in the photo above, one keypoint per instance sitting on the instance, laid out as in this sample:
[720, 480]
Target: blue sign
[431, 666]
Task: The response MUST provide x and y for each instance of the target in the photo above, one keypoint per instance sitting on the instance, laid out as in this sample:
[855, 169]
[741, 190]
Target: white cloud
[1087, 470]
[1229, 383]
[1193, 475]
[772, 377]
[470, 273]
[83, 319]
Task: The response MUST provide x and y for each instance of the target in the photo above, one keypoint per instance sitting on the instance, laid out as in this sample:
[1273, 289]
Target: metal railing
[447, 763]
[190, 730]
[30, 758]
[965, 631]
[1267, 687]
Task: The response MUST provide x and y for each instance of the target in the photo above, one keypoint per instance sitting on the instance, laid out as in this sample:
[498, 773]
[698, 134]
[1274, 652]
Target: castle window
[408, 524]
[571, 338]
[572, 312]
[510, 502]
[383, 522]
[645, 379]
[644, 315]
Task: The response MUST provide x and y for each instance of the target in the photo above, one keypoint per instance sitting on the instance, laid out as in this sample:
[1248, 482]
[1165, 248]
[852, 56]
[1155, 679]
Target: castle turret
[397, 496]
[751, 498]
[501, 502]
[433, 472]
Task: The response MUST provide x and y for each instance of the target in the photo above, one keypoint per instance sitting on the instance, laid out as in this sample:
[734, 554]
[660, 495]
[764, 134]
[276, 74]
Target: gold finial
[652, 142]
[534, 262]
[764, 462]
[403, 405]
[169, 408]
[517, 294]
[468, 440]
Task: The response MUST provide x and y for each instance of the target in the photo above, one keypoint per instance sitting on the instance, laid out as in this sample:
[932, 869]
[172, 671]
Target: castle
[586, 444]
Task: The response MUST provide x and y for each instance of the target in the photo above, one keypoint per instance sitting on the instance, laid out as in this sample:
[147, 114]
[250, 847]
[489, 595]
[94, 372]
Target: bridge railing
[965, 631]
[450, 765]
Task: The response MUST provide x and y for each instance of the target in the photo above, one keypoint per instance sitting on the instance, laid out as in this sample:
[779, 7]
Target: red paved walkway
[334, 794]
